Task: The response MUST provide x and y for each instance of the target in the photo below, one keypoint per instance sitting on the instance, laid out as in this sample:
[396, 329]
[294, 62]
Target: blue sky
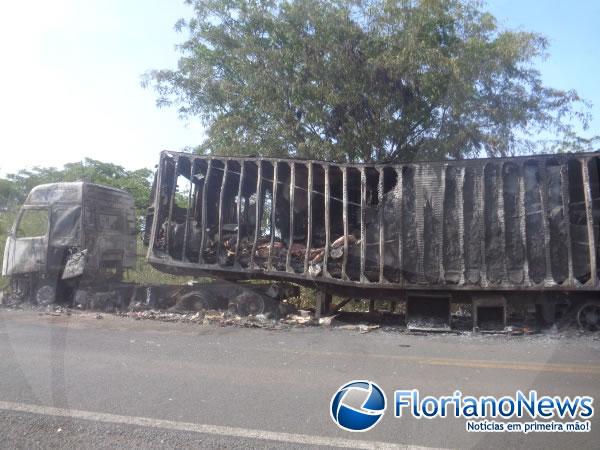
[71, 74]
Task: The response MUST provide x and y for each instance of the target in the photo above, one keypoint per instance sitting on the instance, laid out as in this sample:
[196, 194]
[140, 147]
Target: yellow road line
[581, 369]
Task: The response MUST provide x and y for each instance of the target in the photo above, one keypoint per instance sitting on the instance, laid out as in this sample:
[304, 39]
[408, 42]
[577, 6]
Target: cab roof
[67, 192]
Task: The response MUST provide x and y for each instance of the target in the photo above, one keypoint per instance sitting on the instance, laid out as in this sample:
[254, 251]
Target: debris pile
[276, 252]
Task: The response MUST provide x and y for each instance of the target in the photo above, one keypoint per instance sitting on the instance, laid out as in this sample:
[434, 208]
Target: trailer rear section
[500, 235]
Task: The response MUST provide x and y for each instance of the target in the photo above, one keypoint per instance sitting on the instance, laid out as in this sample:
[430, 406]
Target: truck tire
[192, 301]
[247, 303]
[588, 316]
[45, 294]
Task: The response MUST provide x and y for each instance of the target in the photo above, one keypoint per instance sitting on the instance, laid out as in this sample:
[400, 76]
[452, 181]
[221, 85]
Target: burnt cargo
[521, 223]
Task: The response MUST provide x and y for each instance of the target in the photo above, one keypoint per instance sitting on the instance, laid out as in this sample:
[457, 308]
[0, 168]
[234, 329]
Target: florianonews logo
[358, 405]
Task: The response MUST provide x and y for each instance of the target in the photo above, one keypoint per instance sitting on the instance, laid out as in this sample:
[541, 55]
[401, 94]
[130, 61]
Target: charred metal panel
[557, 226]
[473, 224]
[513, 223]
[452, 249]
[432, 186]
[536, 242]
[410, 248]
[578, 222]
[494, 224]
[391, 235]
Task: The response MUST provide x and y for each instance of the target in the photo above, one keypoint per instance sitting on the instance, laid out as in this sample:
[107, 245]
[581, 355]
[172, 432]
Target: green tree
[364, 80]
[15, 187]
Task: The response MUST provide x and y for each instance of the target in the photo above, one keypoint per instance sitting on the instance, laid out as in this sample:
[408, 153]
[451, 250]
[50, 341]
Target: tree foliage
[15, 187]
[365, 80]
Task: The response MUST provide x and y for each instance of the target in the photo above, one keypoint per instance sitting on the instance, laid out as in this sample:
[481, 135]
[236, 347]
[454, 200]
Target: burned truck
[501, 235]
[67, 236]
[72, 242]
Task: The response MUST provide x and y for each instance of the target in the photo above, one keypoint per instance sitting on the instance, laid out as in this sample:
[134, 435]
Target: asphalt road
[79, 382]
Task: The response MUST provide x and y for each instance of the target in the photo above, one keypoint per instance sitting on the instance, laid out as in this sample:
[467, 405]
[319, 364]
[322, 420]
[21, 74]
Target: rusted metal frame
[156, 206]
[288, 255]
[196, 191]
[523, 224]
[564, 184]
[363, 225]
[502, 220]
[171, 203]
[439, 211]
[273, 213]
[341, 304]
[238, 213]
[398, 216]
[590, 220]
[327, 199]
[187, 213]
[461, 222]
[481, 211]
[309, 194]
[545, 220]
[419, 221]
[345, 220]
[322, 303]
[258, 211]
[203, 219]
[220, 219]
[371, 287]
[380, 200]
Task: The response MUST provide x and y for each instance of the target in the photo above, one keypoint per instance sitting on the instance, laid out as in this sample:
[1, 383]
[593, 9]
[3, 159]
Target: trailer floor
[78, 381]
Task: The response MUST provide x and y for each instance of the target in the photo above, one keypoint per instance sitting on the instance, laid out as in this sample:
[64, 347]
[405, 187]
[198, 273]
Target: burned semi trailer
[492, 233]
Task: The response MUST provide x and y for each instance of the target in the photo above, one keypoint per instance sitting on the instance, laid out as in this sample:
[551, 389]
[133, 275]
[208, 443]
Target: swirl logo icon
[358, 405]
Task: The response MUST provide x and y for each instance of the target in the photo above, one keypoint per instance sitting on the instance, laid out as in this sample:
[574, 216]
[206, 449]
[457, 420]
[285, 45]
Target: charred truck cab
[68, 235]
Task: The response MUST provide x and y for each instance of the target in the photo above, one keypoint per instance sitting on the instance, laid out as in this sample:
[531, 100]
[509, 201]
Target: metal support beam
[238, 213]
[220, 219]
[187, 212]
[288, 255]
[372, 306]
[587, 189]
[439, 212]
[327, 200]
[419, 191]
[345, 220]
[203, 220]
[363, 225]
[564, 184]
[480, 208]
[380, 200]
[171, 203]
[398, 216]
[523, 224]
[322, 303]
[545, 220]
[341, 304]
[460, 218]
[258, 212]
[502, 220]
[273, 216]
[309, 194]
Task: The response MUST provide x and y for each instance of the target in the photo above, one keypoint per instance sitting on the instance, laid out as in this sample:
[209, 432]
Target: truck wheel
[249, 304]
[45, 294]
[194, 301]
[588, 316]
